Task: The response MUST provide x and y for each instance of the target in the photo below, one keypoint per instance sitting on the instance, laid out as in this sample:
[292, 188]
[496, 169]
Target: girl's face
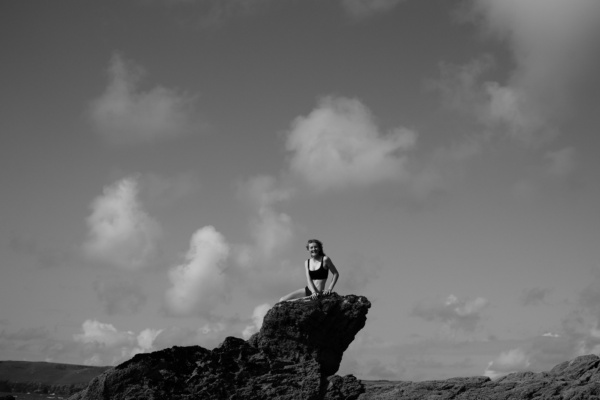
[314, 249]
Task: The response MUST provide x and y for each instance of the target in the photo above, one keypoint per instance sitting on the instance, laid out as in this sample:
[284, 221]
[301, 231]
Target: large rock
[319, 330]
[578, 379]
[292, 357]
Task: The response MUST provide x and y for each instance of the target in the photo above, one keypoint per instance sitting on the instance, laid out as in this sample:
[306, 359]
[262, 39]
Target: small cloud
[120, 232]
[104, 344]
[199, 284]
[550, 334]
[460, 86]
[257, 319]
[120, 297]
[338, 145]
[100, 333]
[208, 335]
[125, 115]
[461, 314]
[271, 230]
[360, 9]
[507, 362]
[534, 296]
[165, 190]
[146, 338]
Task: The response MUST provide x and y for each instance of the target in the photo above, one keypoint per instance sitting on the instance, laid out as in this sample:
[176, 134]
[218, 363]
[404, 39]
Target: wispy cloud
[460, 314]
[271, 230]
[339, 145]
[534, 296]
[361, 9]
[120, 232]
[123, 114]
[555, 172]
[120, 297]
[507, 362]
[553, 44]
[165, 190]
[257, 319]
[578, 335]
[199, 284]
[104, 344]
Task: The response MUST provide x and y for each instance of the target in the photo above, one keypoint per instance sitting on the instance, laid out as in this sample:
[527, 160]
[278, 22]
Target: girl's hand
[326, 292]
[314, 296]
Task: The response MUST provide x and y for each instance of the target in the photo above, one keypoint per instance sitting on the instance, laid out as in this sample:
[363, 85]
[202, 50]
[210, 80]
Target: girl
[317, 269]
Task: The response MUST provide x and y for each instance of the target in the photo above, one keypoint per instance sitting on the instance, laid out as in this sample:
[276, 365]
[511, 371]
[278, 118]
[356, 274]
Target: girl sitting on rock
[317, 269]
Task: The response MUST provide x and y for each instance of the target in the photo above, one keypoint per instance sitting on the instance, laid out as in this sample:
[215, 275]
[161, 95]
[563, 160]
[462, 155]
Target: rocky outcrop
[312, 330]
[298, 348]
[578, 379]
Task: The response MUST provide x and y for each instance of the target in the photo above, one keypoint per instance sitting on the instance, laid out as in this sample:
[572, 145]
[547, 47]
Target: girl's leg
[296, 294]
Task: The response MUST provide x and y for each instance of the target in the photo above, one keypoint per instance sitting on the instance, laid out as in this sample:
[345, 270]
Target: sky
[165, 161]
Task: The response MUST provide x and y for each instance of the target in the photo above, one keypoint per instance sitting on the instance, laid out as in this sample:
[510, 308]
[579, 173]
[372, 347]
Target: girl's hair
[318, 243]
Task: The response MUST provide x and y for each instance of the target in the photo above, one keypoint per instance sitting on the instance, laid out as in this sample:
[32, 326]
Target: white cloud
[271, 230]
[257, 319]
[580, 335]
[106, 345]
[120, 297]
[551, 334]
[366, 8]
[507, 362]
[199, 284]
[146, 338]
[120, 231]
[553, 43]
[208, 335]
[105, 334]
[123, 114]
[462, 314]
[339, 145]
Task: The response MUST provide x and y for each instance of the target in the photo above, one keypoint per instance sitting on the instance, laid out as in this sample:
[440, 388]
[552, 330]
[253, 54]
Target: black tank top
[317, 274]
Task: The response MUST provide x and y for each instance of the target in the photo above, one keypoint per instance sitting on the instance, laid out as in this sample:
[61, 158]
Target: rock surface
[578, 379]
[292, 357]
[312, 330]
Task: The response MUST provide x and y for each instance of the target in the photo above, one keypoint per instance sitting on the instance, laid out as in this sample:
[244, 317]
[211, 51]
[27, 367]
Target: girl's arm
[335, 273]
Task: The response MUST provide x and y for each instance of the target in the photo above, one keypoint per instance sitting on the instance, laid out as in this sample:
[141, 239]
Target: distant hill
[48, 373]
[18, 376]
